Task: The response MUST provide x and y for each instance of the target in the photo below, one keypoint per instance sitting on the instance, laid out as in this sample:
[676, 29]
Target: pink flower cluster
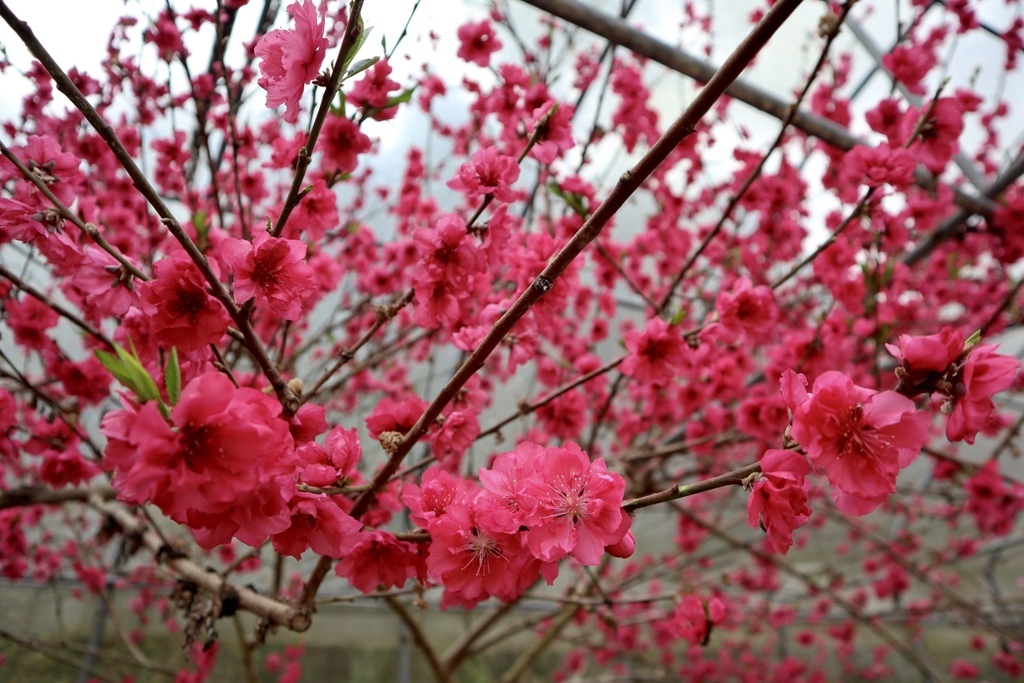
[965, 375]
[221, 464]
[537, 506]
[860, 438]
[778, 497]
[291, 58]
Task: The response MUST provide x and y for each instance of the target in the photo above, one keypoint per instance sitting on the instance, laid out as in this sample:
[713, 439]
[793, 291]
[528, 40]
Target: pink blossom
[556, 134]
[430, 499]
[656, 354]
[446, 253]
[373, 91]
[342, 143]
[272, 269]
[992, 502]
[319, 523]
[487, 173]
[926, 359]
[478, 42]
[579, 506]
[395, 416]
[694, 618]
[180, 311]
[909, 64]
[291, 58]
[331, 463]
[378, 559]
[859, 437]
[220, 448]
[882, 164]
[505, 502]
[983, 375]
[747, 308]
[778, 498]
[471, 560]
[938, 137]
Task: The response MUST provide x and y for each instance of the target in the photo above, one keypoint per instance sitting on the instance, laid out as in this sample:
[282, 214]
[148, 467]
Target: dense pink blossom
[578, 510]
[487, 173]
[180, 311]
[478, 42]
[342, 143]
[378, 559]
[373, 91]
[983, 375]
[860, 438]
[882, 164]
[993, 502]
[220, 447]
[656, 354]
[778, 498]
[291, 58]
[272, 269]
[471, 560]
[318, 523]
[747, 308]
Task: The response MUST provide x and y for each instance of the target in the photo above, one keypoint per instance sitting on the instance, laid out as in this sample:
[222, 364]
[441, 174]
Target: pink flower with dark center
[579, 506]
[859, 437]
[879, 165]
[487, 173]
[378, 559]
[778, 498]
[291, 58]
[478, 42]
[747, 308]
[556, 134]
[342, 143]
[317, 523]
[446, 254]
[272, 269]
[373, 90]
[983, 375]
[221, 447]
[938, 137]
[656, 354]
[505, 503]
[471, 560]
[180, 311]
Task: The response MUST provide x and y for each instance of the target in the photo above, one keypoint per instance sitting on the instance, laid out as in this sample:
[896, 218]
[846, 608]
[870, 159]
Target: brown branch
[210, 582]
[88, 228]
[24, 496]
[441, 673]
[734, 478]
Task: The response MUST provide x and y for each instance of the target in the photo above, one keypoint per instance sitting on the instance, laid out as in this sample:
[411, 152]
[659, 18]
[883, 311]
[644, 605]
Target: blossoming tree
[225, 368]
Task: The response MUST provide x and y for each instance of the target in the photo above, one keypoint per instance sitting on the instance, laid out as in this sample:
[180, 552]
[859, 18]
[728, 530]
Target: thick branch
[249, 600]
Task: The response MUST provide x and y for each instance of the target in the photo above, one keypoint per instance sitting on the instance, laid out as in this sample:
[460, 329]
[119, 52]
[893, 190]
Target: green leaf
[678, 317]
[360, 66]
[172, 377]
[400, 98]
[573, 200]
[127, 369]
[364, 33]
